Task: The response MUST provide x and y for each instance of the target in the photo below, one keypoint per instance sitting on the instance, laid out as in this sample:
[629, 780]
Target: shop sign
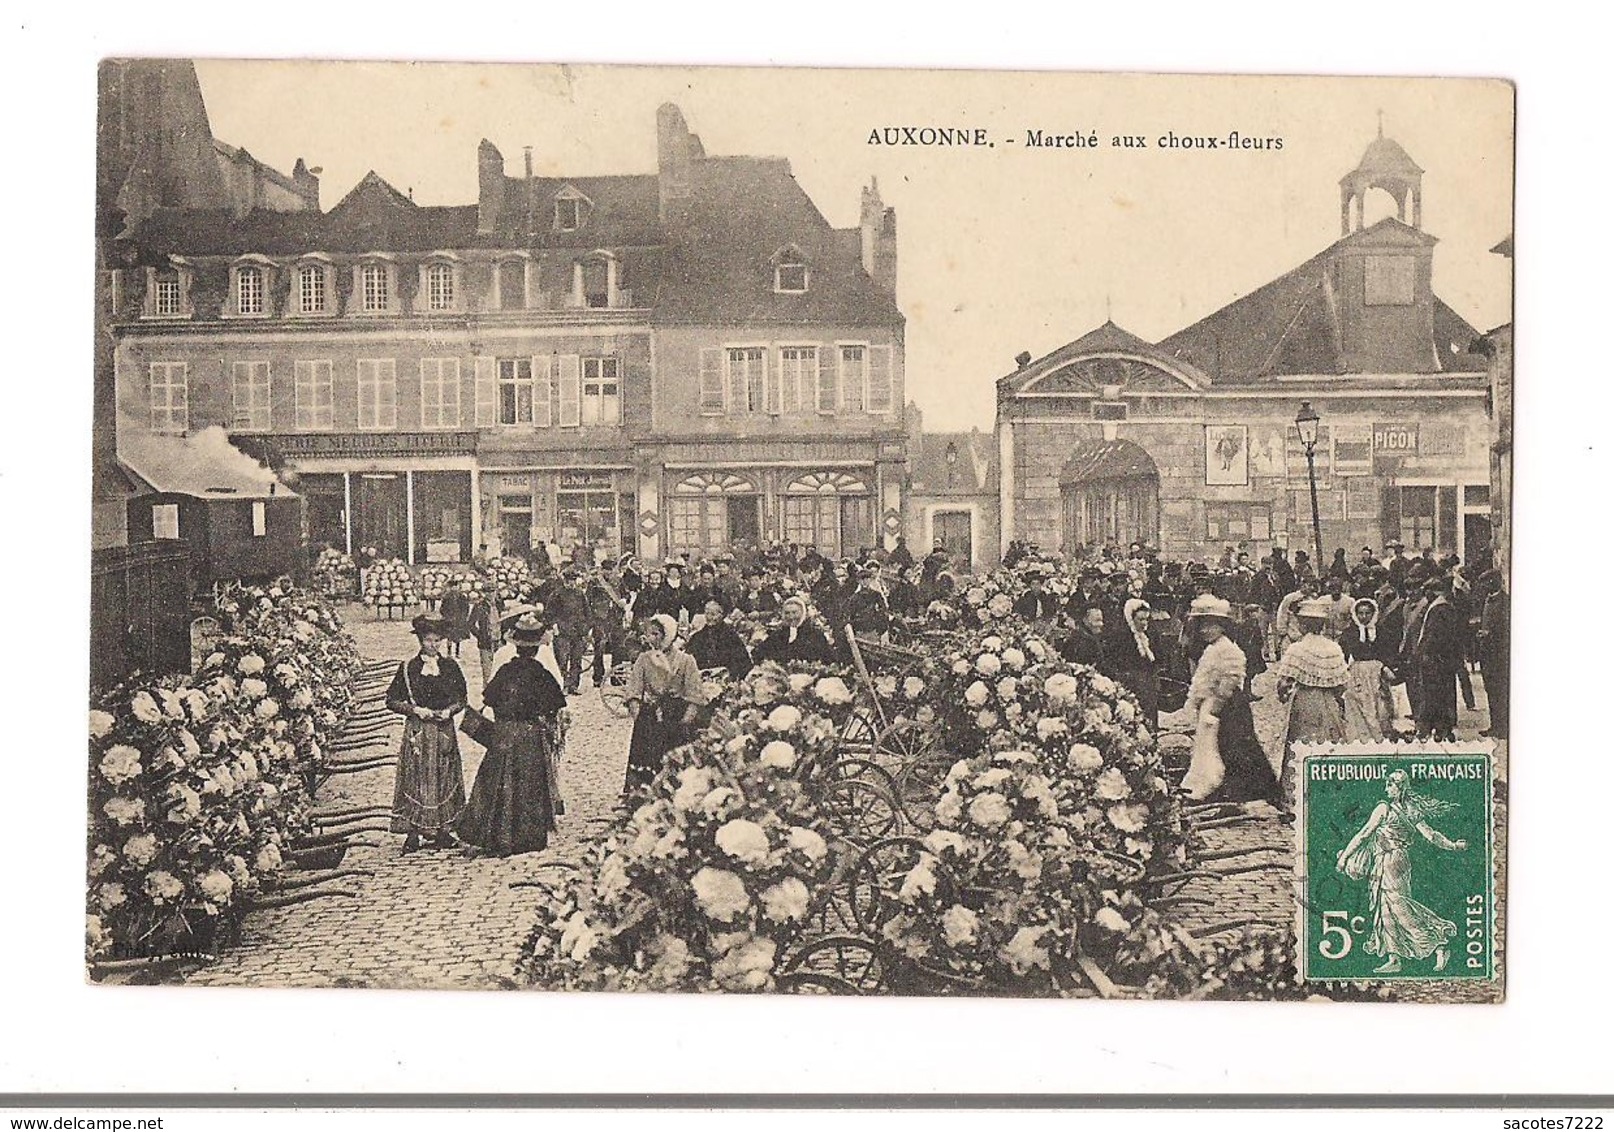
[376, 443]
[1353, 450]
[587, 481]
[1395, 439]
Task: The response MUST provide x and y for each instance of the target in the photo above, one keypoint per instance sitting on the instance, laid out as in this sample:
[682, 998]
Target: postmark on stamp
[1394, 875]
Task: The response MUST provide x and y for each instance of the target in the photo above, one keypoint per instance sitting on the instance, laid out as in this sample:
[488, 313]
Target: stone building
[687, 359]
[952, 494]
[1190, 443]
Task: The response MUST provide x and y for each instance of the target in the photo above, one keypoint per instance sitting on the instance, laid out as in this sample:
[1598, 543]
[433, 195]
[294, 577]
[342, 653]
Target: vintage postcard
[800, 531]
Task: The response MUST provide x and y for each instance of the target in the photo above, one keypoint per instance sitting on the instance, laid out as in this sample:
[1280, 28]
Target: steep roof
[1384, 155]
[975, 469]
[721, 255]
[622, 211]
[1292, 324]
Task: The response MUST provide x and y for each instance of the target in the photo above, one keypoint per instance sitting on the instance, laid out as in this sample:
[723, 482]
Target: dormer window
[594, 281]
[311, 289]
[377, 292]
[375, 285]
[790, 271]
[249, 288]
[571, 210]
[440, 287]
[168, 291]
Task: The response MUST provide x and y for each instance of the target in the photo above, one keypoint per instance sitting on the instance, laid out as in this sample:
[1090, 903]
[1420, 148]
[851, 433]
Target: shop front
[833, 511]
[571, 509]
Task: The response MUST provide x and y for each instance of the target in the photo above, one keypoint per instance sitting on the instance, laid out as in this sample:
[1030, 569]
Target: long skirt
[1316, 715]
[430, 790]
[1401, 925]
[1228, 763]
[652, 739]
[1368, 710]
[512, 806]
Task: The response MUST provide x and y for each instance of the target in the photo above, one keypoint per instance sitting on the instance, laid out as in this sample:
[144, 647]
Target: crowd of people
[1362, 650]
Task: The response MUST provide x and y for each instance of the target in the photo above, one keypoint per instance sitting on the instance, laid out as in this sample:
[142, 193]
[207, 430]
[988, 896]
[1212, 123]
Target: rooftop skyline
[999, 250]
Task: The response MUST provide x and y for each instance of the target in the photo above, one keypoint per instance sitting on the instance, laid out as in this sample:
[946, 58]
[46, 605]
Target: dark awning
[1095, 460]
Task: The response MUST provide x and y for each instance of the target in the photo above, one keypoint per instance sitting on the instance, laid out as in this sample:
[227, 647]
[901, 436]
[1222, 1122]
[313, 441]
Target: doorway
[953, 529]
[381, 513]
[744, 521]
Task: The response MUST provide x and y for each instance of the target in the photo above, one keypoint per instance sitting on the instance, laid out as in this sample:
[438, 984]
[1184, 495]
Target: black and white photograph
[795, 532]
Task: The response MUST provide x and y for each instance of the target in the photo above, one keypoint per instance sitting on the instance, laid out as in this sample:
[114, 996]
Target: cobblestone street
[438, 919]
[434, 918]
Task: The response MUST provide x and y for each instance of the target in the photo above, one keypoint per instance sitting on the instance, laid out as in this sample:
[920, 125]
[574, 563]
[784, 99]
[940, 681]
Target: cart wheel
[614, 690]
[857, 810]
[875, 879]
[904, 742]
[859, 730]
[837, 965]
[920, 785]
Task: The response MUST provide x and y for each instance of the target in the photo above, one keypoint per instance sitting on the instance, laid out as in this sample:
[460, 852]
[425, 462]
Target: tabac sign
[1395, 439]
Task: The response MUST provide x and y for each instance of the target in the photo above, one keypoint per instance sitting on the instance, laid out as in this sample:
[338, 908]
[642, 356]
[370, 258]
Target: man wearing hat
[866, 608]
[566, 607]
[1227, 762]
[1036, 604]
[1437, 656]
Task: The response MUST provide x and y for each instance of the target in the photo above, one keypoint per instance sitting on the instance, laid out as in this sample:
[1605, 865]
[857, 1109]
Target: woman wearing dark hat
[1228, 763]
[513, 801]
[664, 690]
[429, 691]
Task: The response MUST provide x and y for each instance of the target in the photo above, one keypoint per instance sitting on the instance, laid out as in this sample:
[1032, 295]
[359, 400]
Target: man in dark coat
[826, 593]
[866, 608]
[901, 595]
[1437, 654]
[758, 595]
[566, 606]
[901, 557]
[455, 608]
[606, 605]
[1492, 647]
[729, 586]
[1036, 604]
[1085, 643]
[716, 645]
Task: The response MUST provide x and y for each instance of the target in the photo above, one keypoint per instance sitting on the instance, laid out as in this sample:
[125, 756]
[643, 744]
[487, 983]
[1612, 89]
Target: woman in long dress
[429, 691]
[663, 694]
[1312, 679]
[1402, 927]
[1228, 763]
[512, 808]
[1368, 654]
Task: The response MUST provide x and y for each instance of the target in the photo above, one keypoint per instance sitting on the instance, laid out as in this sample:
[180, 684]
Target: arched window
[249, 288]
[439, 287]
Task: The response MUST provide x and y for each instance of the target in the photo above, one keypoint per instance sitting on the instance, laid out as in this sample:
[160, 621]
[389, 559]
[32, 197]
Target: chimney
[677, 150]
[490, 204]
[878, 227]
[307, 182]
[527, 190]
[885, 253]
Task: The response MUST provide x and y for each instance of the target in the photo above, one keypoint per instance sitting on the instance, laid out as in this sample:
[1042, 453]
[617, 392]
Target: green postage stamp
[1394, 874]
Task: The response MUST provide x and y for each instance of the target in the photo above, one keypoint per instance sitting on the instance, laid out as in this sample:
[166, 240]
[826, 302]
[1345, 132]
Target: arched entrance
[1110, 491]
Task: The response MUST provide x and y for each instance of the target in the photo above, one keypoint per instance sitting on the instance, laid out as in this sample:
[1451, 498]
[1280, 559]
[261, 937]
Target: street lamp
[1306, 422]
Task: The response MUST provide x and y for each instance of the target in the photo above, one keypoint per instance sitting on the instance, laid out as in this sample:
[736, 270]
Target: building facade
[686, 360]
[1190, 444]
[952, 494]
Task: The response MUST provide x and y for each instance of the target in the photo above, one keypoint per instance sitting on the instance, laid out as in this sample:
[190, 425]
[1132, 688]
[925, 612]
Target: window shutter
[1390, 513]
[487, 393]
[772, 380]
[712, 400]
[828, 380]
[1446, 519]
[571, 392]
[880, 379]
[543, 383]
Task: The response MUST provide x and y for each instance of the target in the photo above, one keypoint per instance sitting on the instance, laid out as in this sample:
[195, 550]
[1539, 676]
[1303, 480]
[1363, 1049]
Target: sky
[1000, 249]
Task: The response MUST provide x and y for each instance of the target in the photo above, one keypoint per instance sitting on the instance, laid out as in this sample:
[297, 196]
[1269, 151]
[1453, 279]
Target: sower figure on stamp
[1380, 852]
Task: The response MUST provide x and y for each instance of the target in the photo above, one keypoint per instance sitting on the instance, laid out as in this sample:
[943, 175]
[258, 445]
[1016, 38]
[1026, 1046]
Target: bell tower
[1385, 165]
